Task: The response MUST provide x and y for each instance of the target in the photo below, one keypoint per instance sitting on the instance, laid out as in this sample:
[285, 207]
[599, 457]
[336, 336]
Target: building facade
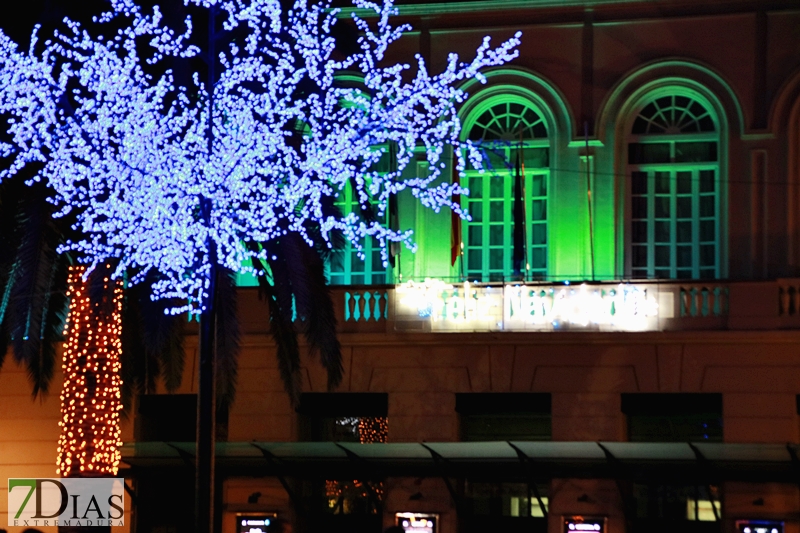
[627, 362]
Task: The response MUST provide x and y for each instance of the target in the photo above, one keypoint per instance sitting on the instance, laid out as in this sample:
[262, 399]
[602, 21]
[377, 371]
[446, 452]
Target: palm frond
[290, 271]
[133, 350]
[31, 293]
[171, 358]
[320, 330]
[4, 344]
[283, 333]
[54, 317]
[163, 342]
[227, 338]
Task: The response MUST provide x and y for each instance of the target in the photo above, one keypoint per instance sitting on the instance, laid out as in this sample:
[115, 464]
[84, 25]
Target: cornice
[441, 8]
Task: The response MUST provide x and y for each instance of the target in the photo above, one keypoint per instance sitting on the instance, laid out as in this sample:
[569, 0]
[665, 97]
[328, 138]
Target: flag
[518, 261]
[455, 222]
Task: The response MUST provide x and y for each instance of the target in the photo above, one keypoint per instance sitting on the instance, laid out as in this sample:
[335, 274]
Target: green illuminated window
[504, 131]
[674, 171]
[345, 267]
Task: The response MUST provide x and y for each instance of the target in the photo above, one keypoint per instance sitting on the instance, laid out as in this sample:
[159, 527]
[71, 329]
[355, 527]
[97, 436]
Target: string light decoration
[373, 429]
[90, 399]
[154, 172]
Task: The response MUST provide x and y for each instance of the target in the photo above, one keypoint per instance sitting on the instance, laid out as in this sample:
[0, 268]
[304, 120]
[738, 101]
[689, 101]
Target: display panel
[417, 522]
[255, 523]
[759, 526]
[584, 524]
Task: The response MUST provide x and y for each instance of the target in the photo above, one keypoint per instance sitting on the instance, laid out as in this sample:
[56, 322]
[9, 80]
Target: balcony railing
[435, 306]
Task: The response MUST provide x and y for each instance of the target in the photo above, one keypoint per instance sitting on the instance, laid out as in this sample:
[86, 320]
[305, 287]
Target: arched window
[345, 267]
[506, 130]
[673, 164]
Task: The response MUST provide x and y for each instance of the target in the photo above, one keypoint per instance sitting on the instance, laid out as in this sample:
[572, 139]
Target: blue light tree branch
[133, 156]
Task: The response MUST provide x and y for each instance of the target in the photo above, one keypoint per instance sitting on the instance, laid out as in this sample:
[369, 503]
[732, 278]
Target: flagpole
[589, 195]
[524, 211]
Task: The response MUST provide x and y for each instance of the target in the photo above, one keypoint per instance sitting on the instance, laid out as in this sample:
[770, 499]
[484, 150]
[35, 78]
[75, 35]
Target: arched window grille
[673, 164]
[506, 130]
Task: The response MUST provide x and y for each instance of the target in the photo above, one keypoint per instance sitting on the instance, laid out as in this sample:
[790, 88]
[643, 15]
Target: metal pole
[206, 397]
[206, 411]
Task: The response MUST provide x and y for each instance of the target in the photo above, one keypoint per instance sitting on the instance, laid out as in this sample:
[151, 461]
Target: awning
[500, 461]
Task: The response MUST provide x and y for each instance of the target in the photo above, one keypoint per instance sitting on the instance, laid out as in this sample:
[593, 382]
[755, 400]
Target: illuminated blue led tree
[182, 179]
[156, 175]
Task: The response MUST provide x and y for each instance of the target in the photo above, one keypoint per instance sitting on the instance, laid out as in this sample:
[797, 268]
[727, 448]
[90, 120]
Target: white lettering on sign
[471, 307]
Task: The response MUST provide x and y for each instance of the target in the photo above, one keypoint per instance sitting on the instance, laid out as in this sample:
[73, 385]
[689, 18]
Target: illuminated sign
[417, 522]
[584, 524]
[434, 305]
[759, 526]
[255, 523]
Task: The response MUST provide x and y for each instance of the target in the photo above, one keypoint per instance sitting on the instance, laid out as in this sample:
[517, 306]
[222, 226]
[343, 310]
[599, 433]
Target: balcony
[441, 307]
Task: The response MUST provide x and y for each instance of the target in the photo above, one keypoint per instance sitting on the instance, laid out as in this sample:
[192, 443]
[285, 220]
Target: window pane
[684, 274]
[337, 261]
[639, 231]
[496, 259]
[663, 183]
[684, 182]
[662, 231]
[356, 263]
[707, 232]
[377, 260]
[644, 153]
[496, 235]
[496, 187]
[708, 255]
[496, 211]
[685, 207]
[539, 210]
[539, 258]
[476, 211]
[475, 236]
[675, 428]
[684, 256]
[539, 234]
[684, 231]
[662, 207]
[707, 206]
[474, 259]
[639, 182]
[357, 279]
[476, 187]
[639, 258]
[639, 207]
[707, 179]
[379, 278]
[521, 426]
[538, 185]
[695, 152]
[662, 256]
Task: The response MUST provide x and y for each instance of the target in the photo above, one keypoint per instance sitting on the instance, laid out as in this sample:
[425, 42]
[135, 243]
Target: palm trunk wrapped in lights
[91, 397]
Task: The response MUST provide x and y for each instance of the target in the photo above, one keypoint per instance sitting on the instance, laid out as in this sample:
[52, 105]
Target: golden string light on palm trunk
[91, 399]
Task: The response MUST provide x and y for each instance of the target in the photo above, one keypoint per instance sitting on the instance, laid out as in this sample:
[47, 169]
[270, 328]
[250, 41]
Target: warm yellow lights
[371, 430]
[90, 399]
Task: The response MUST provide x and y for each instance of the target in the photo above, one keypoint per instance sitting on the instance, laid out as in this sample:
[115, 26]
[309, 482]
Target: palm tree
[34, 298]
